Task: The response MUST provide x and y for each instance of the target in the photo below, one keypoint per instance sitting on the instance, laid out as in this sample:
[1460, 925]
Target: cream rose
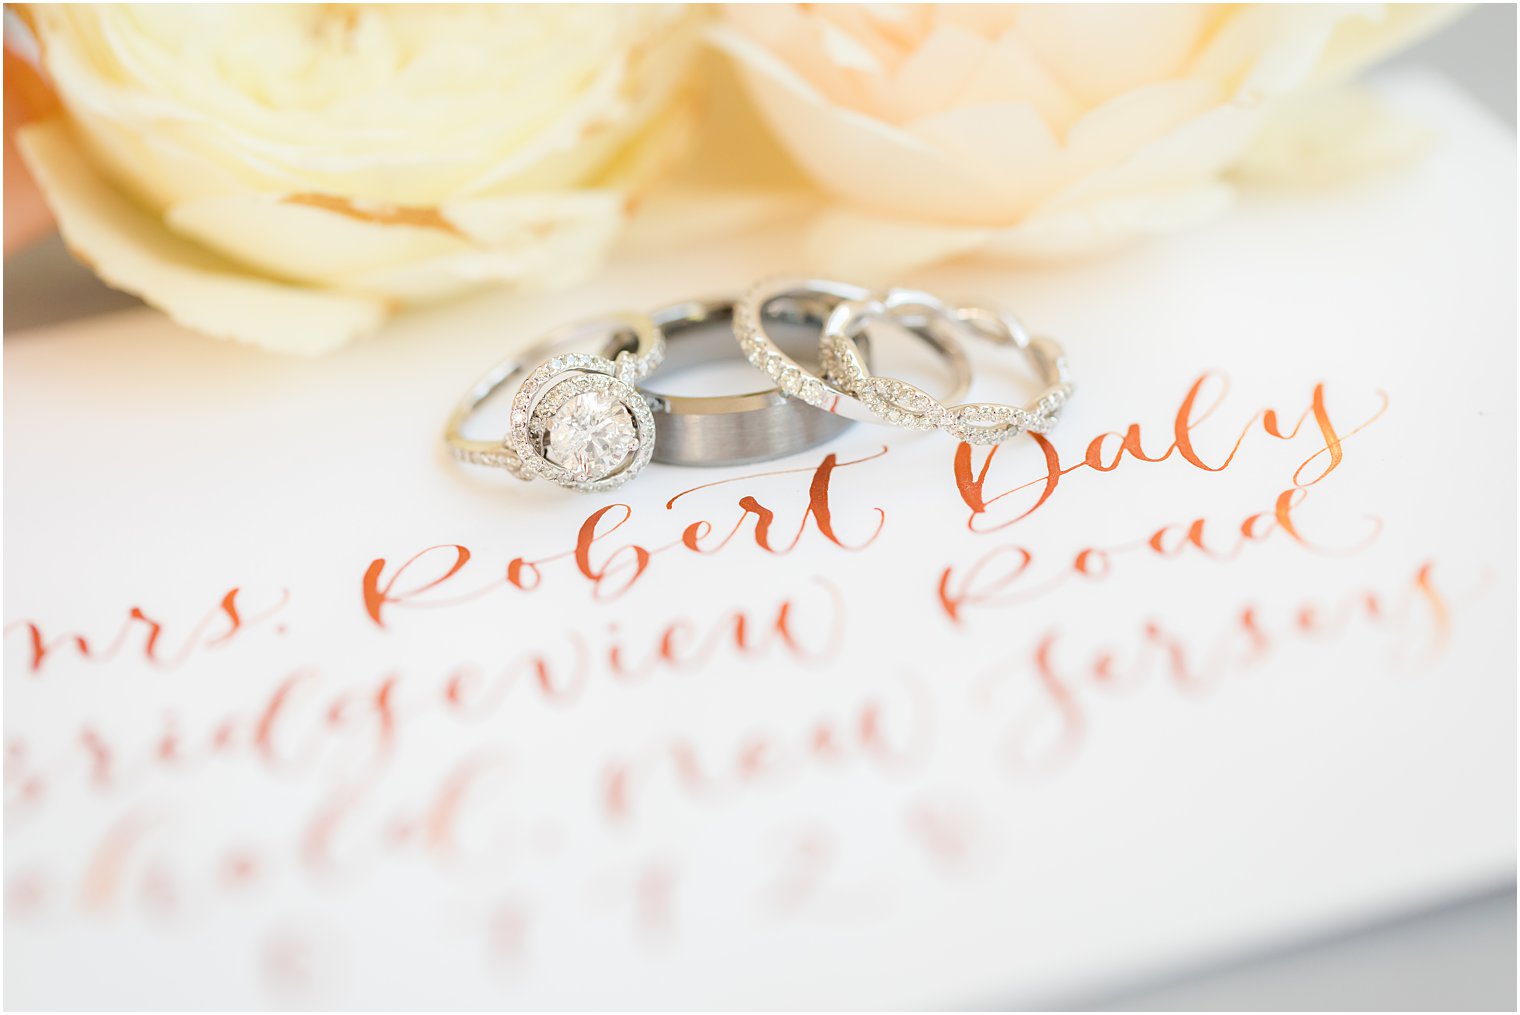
[290, 175]
[1037, 131]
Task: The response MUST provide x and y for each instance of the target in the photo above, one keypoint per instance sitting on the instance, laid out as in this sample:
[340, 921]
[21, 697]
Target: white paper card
[299, 712]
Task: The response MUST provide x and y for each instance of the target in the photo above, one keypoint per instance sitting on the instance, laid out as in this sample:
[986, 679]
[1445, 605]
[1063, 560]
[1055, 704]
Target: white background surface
[1404, 836]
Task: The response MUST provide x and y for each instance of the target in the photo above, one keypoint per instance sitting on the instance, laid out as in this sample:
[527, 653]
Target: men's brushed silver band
[740, 429]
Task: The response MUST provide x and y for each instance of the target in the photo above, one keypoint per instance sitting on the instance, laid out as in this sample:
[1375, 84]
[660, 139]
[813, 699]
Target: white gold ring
[902, 404]
[577, 418]
[924, 315]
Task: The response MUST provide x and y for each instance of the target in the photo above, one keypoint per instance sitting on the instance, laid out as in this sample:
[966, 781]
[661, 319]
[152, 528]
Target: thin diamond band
[848, 385]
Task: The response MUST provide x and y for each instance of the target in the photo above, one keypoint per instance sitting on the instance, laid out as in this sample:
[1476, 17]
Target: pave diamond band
[848, 385]
[902, 404]
[924, 315]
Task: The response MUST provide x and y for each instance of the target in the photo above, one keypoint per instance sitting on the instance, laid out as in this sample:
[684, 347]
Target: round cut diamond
[591, 434]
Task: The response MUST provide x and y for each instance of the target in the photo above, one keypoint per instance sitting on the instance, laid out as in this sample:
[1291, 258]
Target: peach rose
[1039, 131]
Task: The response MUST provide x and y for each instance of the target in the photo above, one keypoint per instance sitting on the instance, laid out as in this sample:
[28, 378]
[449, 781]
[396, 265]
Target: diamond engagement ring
[576, 418]
[902, 404]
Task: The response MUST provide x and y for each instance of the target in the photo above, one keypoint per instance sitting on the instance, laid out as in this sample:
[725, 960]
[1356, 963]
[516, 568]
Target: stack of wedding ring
[582, 415]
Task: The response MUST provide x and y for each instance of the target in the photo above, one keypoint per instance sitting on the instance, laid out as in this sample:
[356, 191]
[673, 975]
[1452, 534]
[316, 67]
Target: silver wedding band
[756, 426]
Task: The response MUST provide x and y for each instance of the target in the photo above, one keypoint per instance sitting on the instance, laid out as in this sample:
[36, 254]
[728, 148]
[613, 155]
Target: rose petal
[1266, 49]
[1195, 149]
[1327, 136]
[867, 161]
[937, 72]
[131, 250]
[1031, 170]
[1074, 118]
[686, 216]
[874, 248]
[410, 255]
[1012, 72]
[1358, 42]
[311, 239]
[303, 98]
[861, 245]
[1102, 226]
[1100, 51]
[1006, 147]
